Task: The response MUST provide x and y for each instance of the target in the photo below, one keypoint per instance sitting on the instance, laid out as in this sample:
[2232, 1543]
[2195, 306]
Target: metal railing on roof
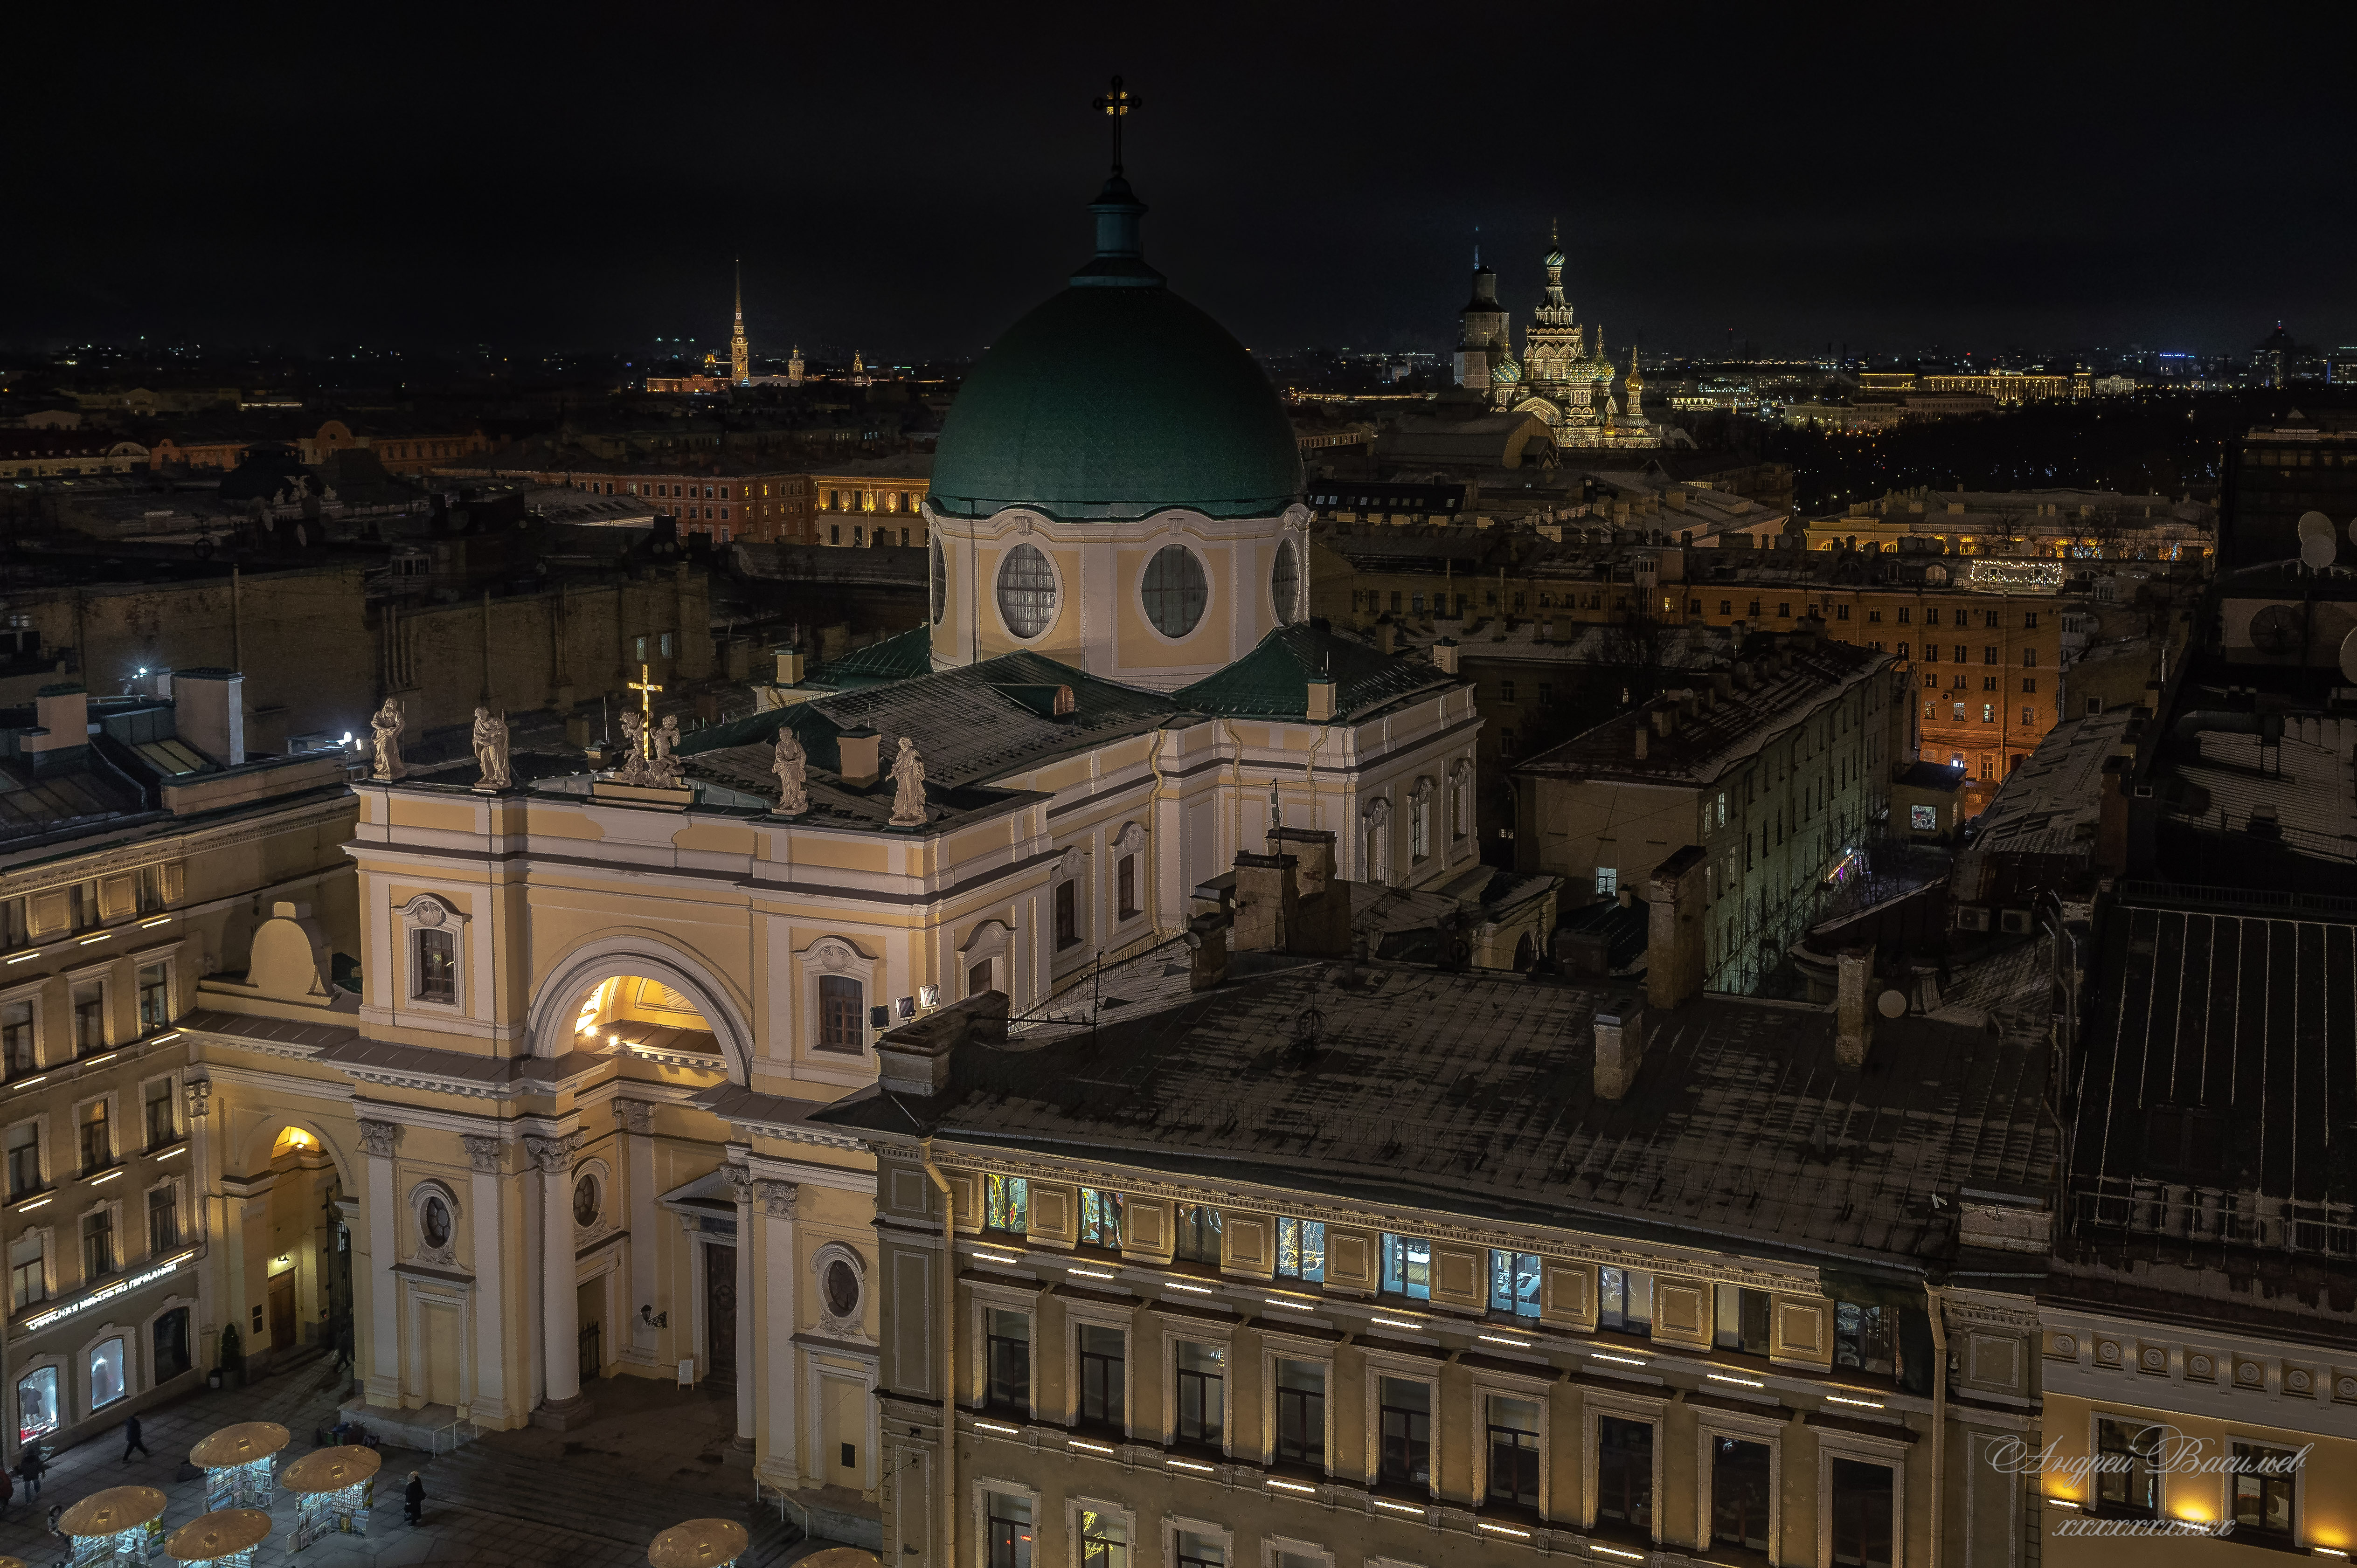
[2141, 1207]
[2265, 899]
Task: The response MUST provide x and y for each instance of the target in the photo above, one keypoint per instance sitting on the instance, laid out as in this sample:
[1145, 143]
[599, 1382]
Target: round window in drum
[1174, 590]
[1027, 591]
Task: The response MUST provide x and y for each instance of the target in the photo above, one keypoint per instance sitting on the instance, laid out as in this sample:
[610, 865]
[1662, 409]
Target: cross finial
[646, 688]
[1115, 105]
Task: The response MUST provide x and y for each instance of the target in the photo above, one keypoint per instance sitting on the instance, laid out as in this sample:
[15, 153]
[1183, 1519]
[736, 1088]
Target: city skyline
[908, 201]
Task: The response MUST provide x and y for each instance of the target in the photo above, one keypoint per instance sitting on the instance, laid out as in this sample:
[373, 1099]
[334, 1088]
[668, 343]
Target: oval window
[433, 1222]
[1174, 590]
[940, 583]
[584, 1201]
[1285, 584]
[1027, 591]
[842, 1288]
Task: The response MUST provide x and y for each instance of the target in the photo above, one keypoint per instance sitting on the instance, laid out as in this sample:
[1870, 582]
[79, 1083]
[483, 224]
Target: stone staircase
[589, 1499]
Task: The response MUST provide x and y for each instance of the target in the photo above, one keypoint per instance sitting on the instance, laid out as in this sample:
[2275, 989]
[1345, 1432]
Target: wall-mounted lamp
[653, 1319]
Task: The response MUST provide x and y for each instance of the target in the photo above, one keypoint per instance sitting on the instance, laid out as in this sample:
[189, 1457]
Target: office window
[96, 1145]
[16, 1038]
[1125, 886]
[1068, 919]
[162, 1219]
[1007, 1204]
[1959, 712]
[1739, 1493]
[2127, 1481]
[1104, 1540]
[1624, 1471]
[1007, 1358]
[1100, 1218]
[90, 1017]
[1200, 1551]
[23, 1160]
[1625, 1299]
[1007, 1529]
[437, 966]
[1861, 1510]
[98, 1243]
[1201, 1374]
[1301, 1411]
[29, 1272]
[1198, 1234]
[1404, 1411]
[1407, 1266]
[1513, 1451]
[841, 1008]
[155, 996]
[1743, 1319]
[1301, 1248]
[1514, 1282]
[2262, 1490]
[2029, 659]
[1864, 1338]
[161, 1110]
[1104, 1357]
[1608, 882]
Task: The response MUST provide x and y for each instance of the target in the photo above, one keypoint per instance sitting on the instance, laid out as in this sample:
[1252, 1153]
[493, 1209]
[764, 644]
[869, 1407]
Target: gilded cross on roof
[646, 688]
[1115, 105]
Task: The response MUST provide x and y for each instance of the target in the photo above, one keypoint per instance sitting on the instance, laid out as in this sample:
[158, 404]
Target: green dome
[1116, 399]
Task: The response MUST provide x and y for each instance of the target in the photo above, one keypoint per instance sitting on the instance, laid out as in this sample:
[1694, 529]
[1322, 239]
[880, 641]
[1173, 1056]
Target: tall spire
[1120, 261]
[741, 352]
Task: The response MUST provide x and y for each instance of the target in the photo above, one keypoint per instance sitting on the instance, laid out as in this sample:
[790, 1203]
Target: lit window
[1100, 1218]
[36, 1404]
[1007, 1204]
[2263, 1489]
[1608, 882]
[1202, 1387]
[1198, 1238]
[106, 1381]
[1515, 1282]
[1008, 1530]
[1301, 1248]
[1625, 1299]
[1407, 1266]
[437, 966]
[1027, 591]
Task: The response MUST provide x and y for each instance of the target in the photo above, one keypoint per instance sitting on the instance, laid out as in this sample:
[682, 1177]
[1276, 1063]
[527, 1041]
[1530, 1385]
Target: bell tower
[740, 353]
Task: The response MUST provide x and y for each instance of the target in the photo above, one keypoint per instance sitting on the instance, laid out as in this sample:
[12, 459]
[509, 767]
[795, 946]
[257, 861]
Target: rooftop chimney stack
[62, 714]
[1444, 655]
[1619, 1046]
[1673, 961]
[1643, 736]
[859, 751]
[790, 664]
[1321, 699]
[208, 712]
[1853, 1008]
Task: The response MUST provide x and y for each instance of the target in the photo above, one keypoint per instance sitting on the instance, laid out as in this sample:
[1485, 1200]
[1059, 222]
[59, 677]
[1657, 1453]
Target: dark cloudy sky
[907, 178]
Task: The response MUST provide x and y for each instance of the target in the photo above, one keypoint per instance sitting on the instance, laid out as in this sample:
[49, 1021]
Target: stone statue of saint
[908, 775]
[792, 765]
[490, 750]
[666, 767]
[386, 723]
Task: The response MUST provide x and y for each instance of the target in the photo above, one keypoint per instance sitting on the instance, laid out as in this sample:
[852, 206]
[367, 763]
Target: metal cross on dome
[1115, 105]
[646, 688]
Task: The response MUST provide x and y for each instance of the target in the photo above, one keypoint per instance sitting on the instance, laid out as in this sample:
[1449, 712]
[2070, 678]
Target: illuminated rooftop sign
[2008, 576]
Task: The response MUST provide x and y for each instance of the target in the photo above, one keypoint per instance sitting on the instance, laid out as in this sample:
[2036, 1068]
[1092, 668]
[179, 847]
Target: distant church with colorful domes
[1564, 376]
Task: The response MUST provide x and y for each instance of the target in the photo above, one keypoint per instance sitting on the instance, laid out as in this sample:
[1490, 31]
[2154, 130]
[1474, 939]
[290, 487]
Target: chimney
[1619, 1046]
[1665, 720]
[1673, 973]
[1318, 923]
[209, 711]
[914, 1058]
[859, 766]
[1444, 655]
[1268, 894]
[1387, 635]
[1852, 1013]
[1644, 734]
[2112, 818]
[62, 713]
[1207, 951]
[1321, 699]
[790, 664]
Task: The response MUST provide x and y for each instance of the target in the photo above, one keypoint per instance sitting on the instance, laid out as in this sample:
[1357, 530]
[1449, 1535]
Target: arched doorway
[296, 1238]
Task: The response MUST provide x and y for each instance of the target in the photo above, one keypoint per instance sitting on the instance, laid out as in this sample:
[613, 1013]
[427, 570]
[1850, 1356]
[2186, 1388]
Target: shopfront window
[106, 1381]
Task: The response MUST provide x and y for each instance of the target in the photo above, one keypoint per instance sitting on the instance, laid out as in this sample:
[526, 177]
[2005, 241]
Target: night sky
[908, 180]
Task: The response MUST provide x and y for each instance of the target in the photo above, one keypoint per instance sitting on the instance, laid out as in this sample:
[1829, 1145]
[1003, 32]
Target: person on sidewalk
[132, 1441]
[29, 1470]
[414, 1499]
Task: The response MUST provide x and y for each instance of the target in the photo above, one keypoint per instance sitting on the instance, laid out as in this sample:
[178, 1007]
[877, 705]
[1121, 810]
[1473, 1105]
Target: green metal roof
[1273, 680]
[1116, 402]
[896, 658]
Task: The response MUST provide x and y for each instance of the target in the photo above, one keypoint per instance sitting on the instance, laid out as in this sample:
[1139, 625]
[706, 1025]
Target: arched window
[941, 584]
[1285, 584]
[1174, 590]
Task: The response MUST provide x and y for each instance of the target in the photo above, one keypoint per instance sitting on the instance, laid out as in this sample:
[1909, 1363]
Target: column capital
[378, 1138]
[553, 1155]
[777, 1197]
[741, 1179]
[634, 1116]
[483, 1153]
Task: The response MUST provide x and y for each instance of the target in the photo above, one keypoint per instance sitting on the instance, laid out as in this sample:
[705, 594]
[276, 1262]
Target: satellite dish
[2276, 630]
[2315, 524]
[2317, 550]
[2349, 658]
[1893, 1004]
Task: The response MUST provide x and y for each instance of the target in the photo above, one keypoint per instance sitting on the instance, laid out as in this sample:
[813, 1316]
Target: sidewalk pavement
[649, 1459]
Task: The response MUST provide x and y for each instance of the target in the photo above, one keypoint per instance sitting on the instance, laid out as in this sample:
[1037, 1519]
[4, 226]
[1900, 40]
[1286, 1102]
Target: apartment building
[140, 845]
[1770, 774]
[1374, 1264]
[871, 501]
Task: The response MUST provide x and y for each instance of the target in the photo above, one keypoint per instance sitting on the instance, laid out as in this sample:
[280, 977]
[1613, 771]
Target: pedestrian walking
[55, 1509]
[132, 1441]
[8, 1493]
[414, 1499]
[29, 1470]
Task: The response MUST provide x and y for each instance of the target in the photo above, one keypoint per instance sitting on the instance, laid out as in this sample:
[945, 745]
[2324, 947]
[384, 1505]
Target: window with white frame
[2127, 1471]
[1100, 1534]
[1007, 1527]
[435, 966]
[1280, 1553]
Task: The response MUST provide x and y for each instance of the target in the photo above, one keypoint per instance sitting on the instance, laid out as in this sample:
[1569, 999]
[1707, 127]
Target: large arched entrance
[292, 1237]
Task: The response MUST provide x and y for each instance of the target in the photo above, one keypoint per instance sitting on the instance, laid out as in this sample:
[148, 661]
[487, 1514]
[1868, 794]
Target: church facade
[568, 1118]
[1564, 376]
